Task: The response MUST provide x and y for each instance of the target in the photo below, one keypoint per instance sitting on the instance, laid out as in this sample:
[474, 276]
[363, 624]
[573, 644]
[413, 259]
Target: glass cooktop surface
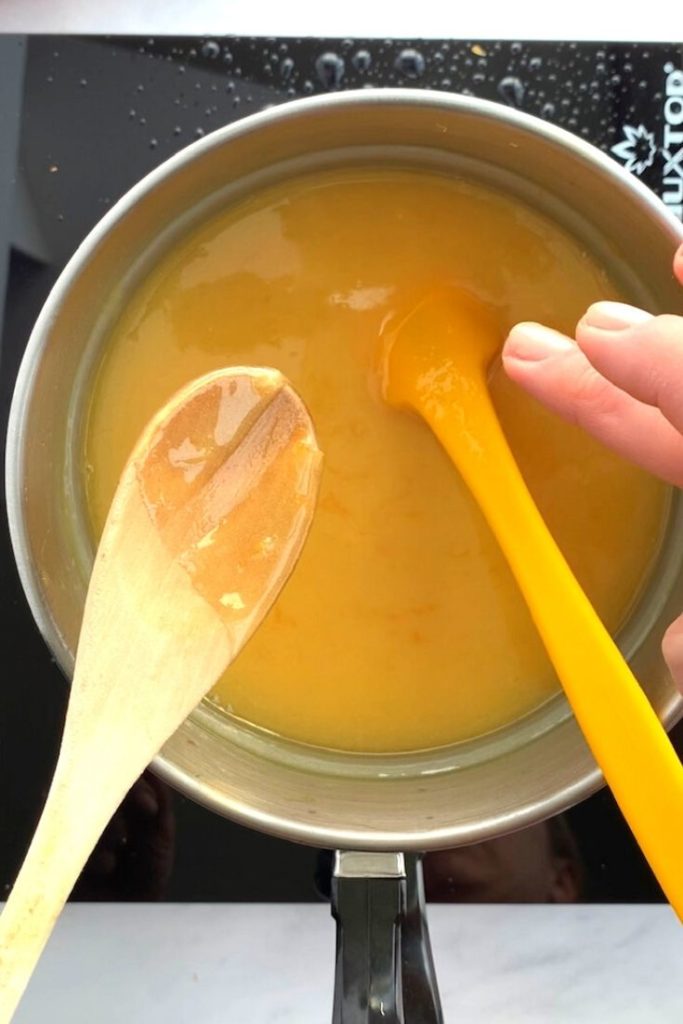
[83, 119]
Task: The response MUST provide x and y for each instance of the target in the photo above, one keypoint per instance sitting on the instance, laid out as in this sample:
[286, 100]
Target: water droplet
[446, 83]
[535, 64]
[362, 60]
[211, 49]
[181, 69]
[141, 87]
[153, 143]
[615, 80]
[199, 132]
[177, 130]
[131, 114]
[228, 57]
[50, 78]
[516, 48]
[308, 87]
[53, 168]
[548, 110]
[142, 120]
[478, 78]
[286, 68]
[410, 63]
[60, 216]
[511, 90]
[83, 82]
[330, 70]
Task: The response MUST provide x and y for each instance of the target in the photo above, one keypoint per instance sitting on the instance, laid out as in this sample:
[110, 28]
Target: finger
[641, 354]
[555, 371]
[678, 264]
[672, 647]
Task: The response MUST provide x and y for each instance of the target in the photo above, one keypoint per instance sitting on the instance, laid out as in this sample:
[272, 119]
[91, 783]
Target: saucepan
[375, 809]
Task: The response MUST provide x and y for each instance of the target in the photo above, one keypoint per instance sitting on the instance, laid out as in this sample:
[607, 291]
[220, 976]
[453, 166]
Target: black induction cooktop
[81, 120]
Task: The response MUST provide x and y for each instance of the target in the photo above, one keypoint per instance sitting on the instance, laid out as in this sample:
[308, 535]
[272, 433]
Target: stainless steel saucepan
[367, 806]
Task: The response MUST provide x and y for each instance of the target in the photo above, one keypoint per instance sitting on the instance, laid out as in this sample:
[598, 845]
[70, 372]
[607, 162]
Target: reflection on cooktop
[83, 119]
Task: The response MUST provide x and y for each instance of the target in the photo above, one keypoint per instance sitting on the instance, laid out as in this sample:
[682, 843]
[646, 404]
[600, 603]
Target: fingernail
[530, 342]
[613, 316]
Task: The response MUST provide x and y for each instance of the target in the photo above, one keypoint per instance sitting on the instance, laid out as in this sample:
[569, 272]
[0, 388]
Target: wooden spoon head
[208, 521]
[431, 352]
[228, 472]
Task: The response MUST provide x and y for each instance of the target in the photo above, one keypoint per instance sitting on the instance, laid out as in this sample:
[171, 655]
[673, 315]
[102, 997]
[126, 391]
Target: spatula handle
[627, 739]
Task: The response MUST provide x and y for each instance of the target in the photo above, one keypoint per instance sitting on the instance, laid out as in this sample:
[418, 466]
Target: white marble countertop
[658, 20]
[262, 964]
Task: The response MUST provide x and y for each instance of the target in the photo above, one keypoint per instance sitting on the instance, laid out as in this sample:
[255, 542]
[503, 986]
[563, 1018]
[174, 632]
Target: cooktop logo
[639, 147]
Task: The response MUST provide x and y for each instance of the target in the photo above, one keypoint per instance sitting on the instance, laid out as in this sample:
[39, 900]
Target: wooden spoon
[208, 521]
[436, 361]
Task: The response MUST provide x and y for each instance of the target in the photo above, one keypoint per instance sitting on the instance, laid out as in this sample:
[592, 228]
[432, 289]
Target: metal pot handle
[384, 971]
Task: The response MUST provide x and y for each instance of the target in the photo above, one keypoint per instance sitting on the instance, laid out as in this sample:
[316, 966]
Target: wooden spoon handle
[75, 815]
[624, 733]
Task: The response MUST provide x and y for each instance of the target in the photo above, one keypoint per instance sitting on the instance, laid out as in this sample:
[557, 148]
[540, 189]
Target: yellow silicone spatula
[435, 362]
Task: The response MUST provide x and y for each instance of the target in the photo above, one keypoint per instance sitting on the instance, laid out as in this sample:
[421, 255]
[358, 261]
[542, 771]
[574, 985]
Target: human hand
[622, 381]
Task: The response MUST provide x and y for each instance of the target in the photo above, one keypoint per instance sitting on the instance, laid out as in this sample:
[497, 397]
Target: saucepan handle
[384, 970]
